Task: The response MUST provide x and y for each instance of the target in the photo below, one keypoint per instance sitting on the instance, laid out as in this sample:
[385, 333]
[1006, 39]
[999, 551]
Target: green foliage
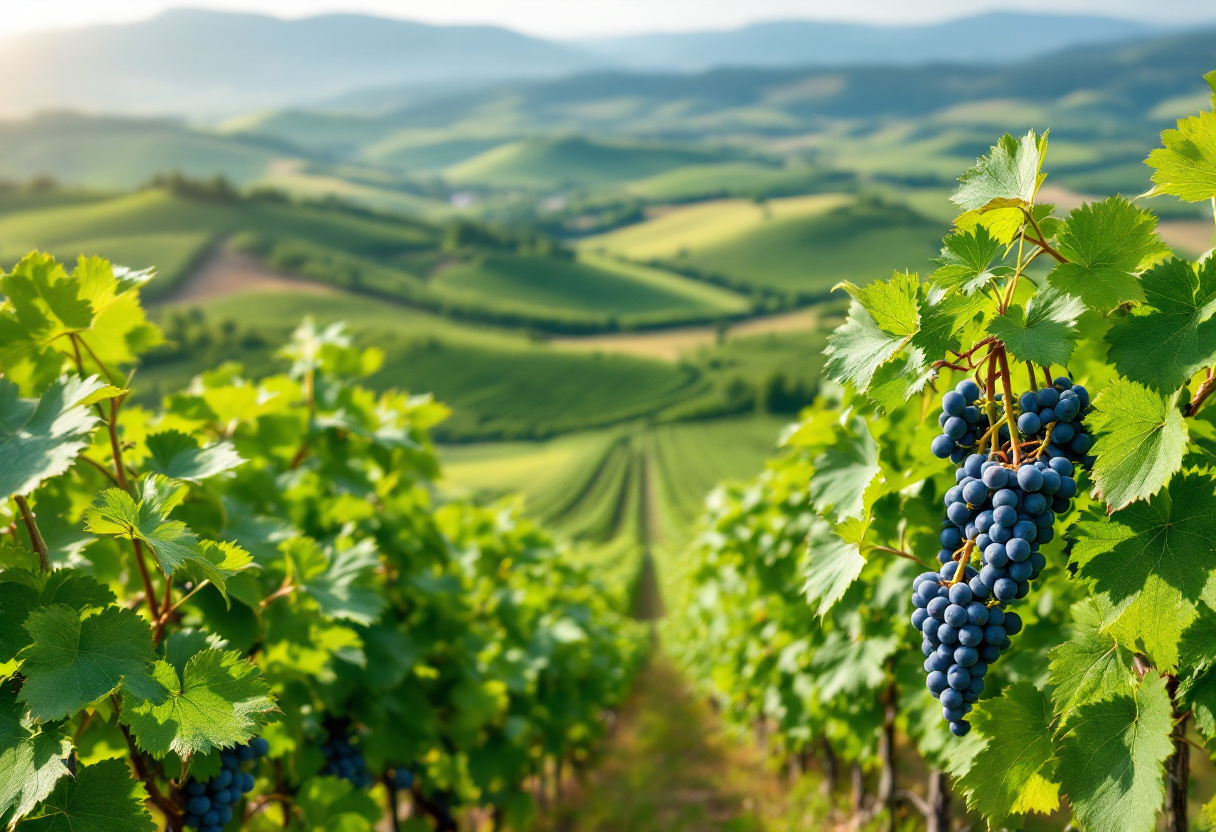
[799, 607]
[261, 557]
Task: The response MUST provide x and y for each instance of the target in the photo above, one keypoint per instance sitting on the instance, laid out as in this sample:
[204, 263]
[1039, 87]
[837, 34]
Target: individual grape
[1030, 478]
[1048, 397]
[968, 389]
[1029, 423]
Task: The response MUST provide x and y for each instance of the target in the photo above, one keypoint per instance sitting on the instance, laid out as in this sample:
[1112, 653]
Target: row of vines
[247, 609]
[921, 550]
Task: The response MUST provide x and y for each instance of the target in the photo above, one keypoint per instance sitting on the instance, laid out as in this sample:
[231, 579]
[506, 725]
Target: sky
[588, 18]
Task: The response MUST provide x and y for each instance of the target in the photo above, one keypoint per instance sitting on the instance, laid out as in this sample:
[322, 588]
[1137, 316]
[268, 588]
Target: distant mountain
[208, 64]
[986, 39]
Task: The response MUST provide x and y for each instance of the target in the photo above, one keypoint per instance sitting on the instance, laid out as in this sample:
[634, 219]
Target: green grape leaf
[173, 545]
[966, 261]
[22, 591]
[1197, 651]
[1140, 439]
[1010, 171]
[1111, 759]
[844, 471]
[333, 803]
[1014, 772]
[845, 665]
[1107, 244]
[831, 566]
[183, 645]
[1045, 333]
[883, 317]
[46, 303]
[1163, 550]
[179, 456]
[103, 797]
[31, 760]
[74, 661]
[1186, 166]
[1089, 667]
[219, 701]
[1163, 345]
[41, 438]
[342, 584]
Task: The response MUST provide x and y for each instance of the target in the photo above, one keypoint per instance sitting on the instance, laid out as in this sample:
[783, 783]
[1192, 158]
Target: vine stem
[1041, 242]
[149, 592]
[1205, 390]
[900, 553]
[170, 809]
[120, 474]
[1034, 385]
[31, 526]
[1007, 389]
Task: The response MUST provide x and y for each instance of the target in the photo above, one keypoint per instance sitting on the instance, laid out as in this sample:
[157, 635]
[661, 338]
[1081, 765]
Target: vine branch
[31, 526]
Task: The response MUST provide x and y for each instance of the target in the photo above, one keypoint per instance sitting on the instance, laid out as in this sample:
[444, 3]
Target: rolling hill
[574, 160]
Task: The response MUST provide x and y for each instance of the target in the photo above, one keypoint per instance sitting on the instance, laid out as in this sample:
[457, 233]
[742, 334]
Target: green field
[800, 246]
[573, 160]
[600, 286]
[727, 179]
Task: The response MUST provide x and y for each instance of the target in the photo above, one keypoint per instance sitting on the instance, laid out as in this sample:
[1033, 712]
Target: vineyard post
[830, 768]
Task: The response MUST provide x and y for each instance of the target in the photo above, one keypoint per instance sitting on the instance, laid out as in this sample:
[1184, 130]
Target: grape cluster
[345, 759]
[1001, 513]
[209, 803]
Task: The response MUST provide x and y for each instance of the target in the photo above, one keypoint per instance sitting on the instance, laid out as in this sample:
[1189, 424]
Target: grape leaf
[103, 797]
[219, 701]
[1198, 652]
[333, 803]
[1111, 759]
[1014, 773]
[1010, 171]
[31, 760]
[1106, 244]
[1140, 439]
[831, 566]
[1090, 666]
[73, 661]
[883, 317]
[341, 583]
[966, 261]
[1164, 550]
[173, 545]
[843, 472]
[22, 591]
[45, 302]
[41, 438]
[178, 456]
[1045, 333]
[1163, 345]
[1186, 165]
[844, 665]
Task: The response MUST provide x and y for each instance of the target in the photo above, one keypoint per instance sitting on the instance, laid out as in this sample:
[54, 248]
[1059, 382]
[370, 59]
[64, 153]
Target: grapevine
[1073, 355]
[195, 593]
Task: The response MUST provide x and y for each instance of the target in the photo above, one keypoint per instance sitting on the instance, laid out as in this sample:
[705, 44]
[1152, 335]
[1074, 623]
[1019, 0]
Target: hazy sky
[578, 18]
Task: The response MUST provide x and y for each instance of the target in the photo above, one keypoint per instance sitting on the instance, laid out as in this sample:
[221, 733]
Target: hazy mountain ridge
[207, 64]
[986, 39]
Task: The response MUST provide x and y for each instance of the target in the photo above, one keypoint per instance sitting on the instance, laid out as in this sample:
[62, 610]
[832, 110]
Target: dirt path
[228, 272]
[670, 768]
[673, 344]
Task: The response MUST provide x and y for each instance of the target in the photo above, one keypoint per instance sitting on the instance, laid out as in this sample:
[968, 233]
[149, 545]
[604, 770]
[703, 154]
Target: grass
[553, 286]
[669, 766]
[572, 160]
